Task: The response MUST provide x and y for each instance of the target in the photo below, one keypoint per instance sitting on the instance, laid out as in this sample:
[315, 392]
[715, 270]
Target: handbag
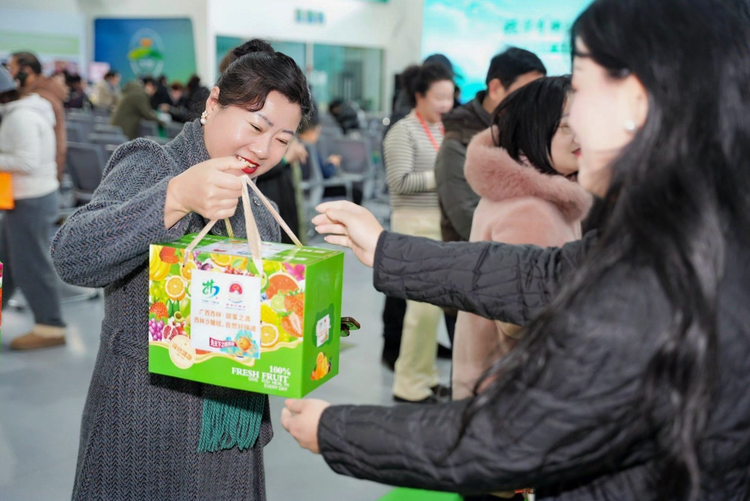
[7, 202]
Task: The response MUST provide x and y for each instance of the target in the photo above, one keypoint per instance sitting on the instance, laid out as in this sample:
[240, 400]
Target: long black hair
[527, 120]
[679, 192]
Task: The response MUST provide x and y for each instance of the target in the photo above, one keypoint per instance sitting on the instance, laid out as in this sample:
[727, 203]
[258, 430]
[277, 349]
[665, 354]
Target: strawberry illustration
[159, 309]
[169, 255]
[295, 303]
[292, 323]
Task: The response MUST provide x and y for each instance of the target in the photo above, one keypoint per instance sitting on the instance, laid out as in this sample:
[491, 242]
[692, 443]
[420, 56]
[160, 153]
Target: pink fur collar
[494, 175]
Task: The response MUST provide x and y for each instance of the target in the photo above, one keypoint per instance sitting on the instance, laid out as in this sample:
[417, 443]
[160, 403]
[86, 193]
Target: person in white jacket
[27, 152]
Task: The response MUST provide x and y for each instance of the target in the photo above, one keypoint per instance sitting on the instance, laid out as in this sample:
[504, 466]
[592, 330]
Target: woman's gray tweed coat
[139, 432]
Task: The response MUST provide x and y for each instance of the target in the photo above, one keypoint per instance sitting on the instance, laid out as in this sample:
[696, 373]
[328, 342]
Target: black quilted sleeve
[511, 283]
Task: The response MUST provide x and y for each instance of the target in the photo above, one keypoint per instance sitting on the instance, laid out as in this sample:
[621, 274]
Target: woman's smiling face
[259, 137]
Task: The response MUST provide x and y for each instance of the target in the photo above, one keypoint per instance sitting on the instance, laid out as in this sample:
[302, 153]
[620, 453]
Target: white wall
[16, 18]
[395, 27]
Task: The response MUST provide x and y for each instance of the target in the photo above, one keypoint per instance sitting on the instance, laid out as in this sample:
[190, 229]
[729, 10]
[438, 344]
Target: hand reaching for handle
[349, 225]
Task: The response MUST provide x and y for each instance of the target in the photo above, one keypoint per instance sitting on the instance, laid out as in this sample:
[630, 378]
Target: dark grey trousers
[24, 252]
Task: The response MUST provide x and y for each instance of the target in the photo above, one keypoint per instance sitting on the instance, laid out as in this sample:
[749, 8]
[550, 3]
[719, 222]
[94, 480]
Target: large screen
[141, 47]
[470, 32]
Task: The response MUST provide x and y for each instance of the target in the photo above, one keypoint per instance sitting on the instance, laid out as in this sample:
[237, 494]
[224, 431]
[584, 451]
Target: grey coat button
[215, 231]
[256, 201]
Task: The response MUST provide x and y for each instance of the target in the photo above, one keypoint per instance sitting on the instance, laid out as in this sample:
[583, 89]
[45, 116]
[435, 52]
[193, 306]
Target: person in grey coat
[140, 433]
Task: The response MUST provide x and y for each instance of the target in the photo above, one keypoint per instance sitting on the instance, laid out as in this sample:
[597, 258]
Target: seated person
[77, 97]
[135, 106]
[309, 134]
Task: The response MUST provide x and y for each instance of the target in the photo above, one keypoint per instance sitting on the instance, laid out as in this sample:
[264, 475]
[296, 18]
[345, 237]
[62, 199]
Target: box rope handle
[251, 228]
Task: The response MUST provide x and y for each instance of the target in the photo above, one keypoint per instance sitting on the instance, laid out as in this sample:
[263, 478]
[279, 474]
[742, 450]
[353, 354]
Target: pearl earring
[630, 126]
[204, 116]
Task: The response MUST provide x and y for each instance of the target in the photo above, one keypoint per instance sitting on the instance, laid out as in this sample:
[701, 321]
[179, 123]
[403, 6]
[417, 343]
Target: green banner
[67, 45]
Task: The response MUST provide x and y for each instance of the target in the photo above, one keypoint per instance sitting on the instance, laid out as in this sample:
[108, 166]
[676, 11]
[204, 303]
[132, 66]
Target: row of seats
[92, 140]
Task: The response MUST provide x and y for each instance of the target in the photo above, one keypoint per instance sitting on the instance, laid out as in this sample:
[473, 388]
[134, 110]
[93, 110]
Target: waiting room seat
[148, 128]
[85, 167]
[356, 163]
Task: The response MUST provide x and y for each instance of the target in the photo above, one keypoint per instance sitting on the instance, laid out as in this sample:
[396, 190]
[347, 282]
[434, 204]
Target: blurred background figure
[135, 106]
[27, 153]
[77, 96]
[27, 71]
[410, 150]
[106, 92]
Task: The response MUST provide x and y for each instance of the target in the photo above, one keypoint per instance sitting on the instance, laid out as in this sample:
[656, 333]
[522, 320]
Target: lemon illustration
[175, 288]
[221, 259]
[269, 336]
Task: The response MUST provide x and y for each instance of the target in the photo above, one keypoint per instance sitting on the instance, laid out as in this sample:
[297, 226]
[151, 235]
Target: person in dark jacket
[195, 95]
[77, 98]
[161, 95]
[135, 106]
[631, 383]
[278, 185]
[509, 70]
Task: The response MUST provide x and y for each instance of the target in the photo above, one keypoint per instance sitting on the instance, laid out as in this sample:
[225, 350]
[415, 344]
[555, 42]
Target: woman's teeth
[251, 167]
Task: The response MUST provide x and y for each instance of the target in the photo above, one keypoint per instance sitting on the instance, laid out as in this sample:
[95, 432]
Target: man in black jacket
[509, 71]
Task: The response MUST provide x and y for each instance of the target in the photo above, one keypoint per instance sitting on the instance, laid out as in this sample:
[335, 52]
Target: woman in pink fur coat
[524, 167]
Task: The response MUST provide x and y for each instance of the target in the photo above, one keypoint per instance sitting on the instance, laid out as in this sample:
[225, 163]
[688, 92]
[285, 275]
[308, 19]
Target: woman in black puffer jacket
[631, 384]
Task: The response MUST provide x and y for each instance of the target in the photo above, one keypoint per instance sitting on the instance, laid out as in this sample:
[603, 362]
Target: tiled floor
[42, 395]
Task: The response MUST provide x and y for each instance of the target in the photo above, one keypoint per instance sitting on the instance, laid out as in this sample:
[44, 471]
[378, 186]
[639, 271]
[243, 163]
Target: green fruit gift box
[215, 318]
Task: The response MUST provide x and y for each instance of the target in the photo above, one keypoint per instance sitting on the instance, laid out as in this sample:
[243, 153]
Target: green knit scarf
[230, 422]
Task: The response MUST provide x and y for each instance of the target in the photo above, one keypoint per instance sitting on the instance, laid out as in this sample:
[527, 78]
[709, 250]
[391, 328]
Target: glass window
[295, 50]
[350, 73]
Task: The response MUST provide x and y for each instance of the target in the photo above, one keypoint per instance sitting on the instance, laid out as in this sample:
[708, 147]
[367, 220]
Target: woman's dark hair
[418, 79]
[149, 80]
[257, 70]
[110, 74]
[28, 60]
[11, 95]
[312, 122]
[511, 64]
[193, 84]
[527, 120]
[678, 195]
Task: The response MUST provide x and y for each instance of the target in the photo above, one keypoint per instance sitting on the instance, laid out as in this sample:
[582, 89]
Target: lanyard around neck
[428, 131]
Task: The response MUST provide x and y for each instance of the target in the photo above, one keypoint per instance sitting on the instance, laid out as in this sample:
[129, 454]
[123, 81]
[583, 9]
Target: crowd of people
[583, 236]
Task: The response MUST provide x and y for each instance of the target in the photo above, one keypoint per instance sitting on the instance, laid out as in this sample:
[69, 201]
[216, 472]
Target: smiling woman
[153, 193]
[251, 116]
[630, 381]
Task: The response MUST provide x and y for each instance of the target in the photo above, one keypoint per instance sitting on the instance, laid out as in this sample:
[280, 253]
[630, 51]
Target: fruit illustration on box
[322, 367]
[246, 344]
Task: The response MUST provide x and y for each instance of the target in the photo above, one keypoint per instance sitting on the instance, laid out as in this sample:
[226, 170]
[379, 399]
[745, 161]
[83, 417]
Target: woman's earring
[204, 116]
[630, 126]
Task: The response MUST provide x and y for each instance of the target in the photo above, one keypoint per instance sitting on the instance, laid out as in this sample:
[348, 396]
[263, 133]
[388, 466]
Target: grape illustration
[155, 329]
